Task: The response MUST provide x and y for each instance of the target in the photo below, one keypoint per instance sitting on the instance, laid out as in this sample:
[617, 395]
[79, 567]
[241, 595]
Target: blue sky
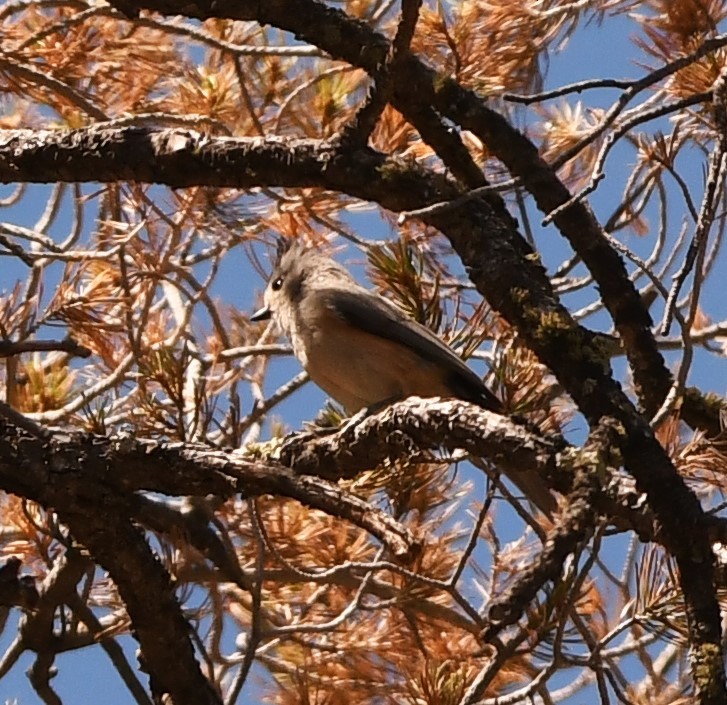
[594, 51]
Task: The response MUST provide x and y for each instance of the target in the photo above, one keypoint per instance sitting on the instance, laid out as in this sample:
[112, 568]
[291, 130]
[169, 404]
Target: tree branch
[148, 594]
[67, 470]
[67, 345]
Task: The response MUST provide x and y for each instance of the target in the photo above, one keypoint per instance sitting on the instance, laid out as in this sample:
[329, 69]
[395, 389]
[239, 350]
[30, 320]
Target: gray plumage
[357, 346]
[364, 351]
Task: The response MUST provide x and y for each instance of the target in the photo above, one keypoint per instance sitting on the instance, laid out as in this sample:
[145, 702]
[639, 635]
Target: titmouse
[360, 348]
[357, 346]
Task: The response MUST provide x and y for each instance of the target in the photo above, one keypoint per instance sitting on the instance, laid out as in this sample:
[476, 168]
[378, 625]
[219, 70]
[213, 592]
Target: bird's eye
[277, 284]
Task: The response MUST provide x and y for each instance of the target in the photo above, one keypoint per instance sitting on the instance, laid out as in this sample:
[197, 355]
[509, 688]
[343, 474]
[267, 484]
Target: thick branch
[408, 427]
[72, 472]
[148, 594]
[405, 429]
[67, 345]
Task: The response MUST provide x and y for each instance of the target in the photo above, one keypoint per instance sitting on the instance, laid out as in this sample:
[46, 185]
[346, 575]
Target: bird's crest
[282, 245]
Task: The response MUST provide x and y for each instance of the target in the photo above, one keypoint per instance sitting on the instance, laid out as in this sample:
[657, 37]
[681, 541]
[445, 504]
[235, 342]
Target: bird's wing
[375, 315]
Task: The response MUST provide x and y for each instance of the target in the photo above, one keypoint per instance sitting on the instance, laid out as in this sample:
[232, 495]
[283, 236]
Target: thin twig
[358, 131]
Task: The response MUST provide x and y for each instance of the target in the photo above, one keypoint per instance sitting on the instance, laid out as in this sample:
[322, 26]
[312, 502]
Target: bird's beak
[264, 314]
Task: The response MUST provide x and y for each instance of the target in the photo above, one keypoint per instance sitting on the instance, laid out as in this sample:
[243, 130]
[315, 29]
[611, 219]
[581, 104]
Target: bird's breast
[359, 369]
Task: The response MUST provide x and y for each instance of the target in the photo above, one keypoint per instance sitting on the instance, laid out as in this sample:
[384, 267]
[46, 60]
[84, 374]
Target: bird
[357, 346]
[364, 351]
